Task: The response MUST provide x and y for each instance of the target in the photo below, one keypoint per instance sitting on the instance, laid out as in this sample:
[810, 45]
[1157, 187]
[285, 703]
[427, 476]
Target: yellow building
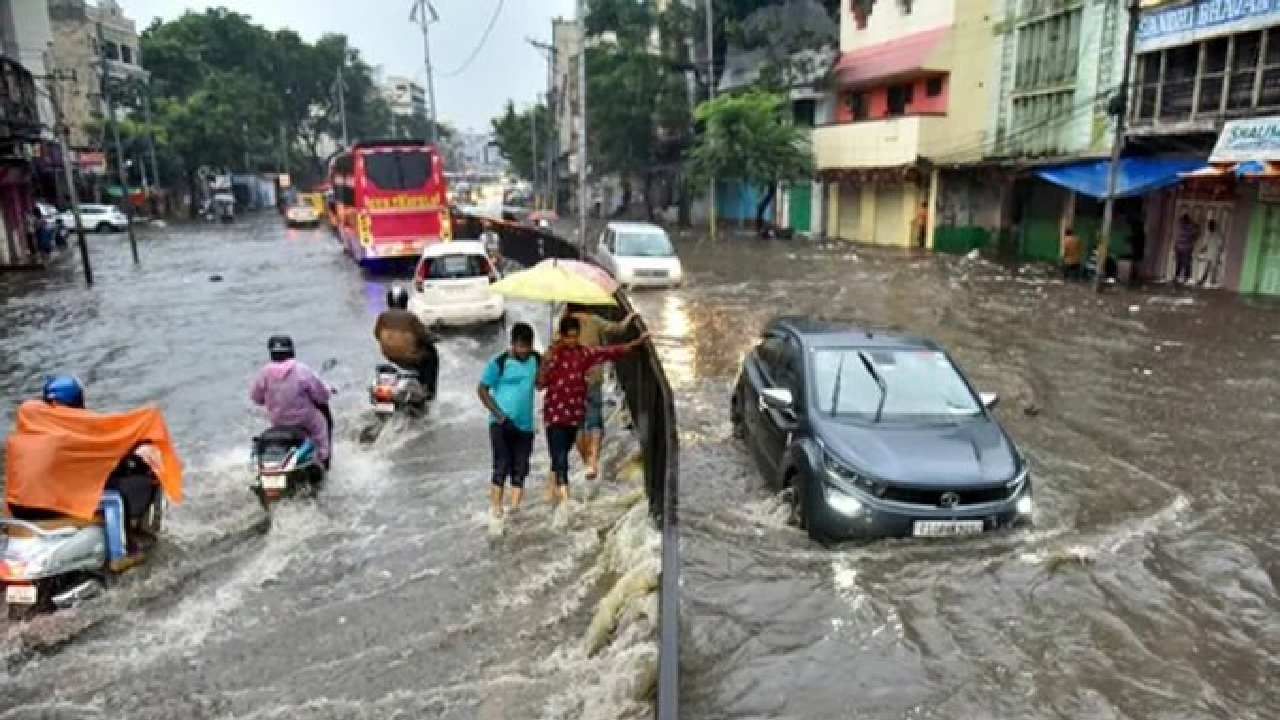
[913, 94]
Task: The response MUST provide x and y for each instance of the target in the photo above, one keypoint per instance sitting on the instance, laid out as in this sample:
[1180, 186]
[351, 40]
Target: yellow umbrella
[550, 281]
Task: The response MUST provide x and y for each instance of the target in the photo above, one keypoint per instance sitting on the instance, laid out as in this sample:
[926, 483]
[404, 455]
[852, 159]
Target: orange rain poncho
[59, 458]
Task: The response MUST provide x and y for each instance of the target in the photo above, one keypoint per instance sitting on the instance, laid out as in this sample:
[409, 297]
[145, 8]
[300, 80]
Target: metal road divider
[653, 413]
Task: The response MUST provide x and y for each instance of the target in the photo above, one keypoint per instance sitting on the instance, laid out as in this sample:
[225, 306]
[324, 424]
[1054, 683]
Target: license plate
[274, 482]
[946, 528]
[20, 594]
[384, 408]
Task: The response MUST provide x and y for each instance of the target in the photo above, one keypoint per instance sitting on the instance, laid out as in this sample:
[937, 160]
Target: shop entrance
[1201, 212]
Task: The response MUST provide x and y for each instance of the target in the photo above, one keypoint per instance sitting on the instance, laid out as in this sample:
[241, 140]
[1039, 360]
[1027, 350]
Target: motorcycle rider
[294, 395]
[406, 341]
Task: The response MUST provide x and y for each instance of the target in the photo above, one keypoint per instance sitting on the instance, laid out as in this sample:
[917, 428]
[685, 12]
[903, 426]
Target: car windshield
[890, 384]
[453, 267]
[644, 244]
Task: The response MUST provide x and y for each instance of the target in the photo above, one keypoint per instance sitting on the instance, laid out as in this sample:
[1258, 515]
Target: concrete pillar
[935, 177]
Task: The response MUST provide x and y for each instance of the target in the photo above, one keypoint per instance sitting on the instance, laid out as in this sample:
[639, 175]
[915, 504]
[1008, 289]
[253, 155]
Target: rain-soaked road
[385, 597]
[1146, 589]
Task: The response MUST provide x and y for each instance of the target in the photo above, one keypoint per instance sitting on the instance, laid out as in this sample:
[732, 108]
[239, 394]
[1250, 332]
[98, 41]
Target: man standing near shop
[1184, 246]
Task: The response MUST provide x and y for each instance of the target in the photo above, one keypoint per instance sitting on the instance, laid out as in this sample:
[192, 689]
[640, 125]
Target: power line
[493, 20]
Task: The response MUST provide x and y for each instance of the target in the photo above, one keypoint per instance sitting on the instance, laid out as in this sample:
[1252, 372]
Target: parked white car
[639, 255]
[97, 218]
[451, 285]
[301, 213]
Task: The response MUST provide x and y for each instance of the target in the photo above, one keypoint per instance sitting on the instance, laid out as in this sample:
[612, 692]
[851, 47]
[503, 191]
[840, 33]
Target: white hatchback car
[97, 218]
[639, 255]
[451, 285]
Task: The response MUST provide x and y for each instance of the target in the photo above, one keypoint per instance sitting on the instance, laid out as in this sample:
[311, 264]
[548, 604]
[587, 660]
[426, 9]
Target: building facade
[87, 38]
[1207, 83]
[911, 94]
[566, 39]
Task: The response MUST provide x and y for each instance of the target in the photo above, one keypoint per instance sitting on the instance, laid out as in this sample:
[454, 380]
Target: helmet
[280, 347]
[397, 297]
[63, 390]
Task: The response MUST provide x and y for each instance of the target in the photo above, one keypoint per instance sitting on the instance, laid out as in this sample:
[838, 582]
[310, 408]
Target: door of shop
[800, 210]
[892, 224]
[1201, 212]
[1267, 244]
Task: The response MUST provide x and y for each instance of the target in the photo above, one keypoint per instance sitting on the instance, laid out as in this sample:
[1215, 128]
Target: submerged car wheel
[794, 494]
[735, 415]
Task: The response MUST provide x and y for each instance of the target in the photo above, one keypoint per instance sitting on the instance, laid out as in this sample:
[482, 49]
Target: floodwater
[386, 596]
[1147, 586]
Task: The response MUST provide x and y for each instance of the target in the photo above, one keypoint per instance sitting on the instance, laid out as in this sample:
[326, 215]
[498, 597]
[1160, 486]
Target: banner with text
[1170, 26]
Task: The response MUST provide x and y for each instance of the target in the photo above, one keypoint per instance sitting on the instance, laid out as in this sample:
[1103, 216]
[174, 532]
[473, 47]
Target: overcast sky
[507, 67]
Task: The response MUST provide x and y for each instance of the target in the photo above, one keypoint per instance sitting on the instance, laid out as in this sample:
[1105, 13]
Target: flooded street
[1146, 588]
[384, 597]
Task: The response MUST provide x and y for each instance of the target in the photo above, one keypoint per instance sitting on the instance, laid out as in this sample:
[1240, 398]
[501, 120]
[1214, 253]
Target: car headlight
[844, 504]
[845, 475]
[1025, 505]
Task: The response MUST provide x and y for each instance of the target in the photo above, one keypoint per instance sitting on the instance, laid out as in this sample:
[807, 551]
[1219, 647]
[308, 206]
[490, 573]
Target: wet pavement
[1146, 588]
[384, 597]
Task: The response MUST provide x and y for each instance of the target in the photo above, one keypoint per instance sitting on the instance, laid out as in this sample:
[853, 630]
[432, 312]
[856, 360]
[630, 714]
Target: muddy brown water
[1145, 589]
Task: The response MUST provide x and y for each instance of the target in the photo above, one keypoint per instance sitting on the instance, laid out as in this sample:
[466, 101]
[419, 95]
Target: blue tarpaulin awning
[1137, 176]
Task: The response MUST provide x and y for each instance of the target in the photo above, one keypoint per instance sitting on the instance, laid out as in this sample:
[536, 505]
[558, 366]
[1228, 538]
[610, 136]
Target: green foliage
[514, 137]
[746, 137]
[224, 89]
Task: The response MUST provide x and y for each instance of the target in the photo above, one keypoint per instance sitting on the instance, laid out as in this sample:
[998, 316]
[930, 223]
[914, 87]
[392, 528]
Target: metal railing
[653, 412]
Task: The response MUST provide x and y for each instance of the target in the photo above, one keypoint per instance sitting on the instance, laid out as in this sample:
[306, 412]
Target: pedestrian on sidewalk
[1072, 256]
[564, 408]
[594, 331]
[1184, 246]
[507, 390]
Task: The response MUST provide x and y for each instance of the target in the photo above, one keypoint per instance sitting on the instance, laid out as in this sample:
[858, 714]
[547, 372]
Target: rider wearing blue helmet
[63, 390]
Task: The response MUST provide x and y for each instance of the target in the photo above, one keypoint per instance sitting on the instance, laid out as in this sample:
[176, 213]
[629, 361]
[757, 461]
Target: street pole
[711, 95]
[549, 183]
[342, 105]
[115, 132]
[426, 14]
[582, 136]
[1117, 145]
[151, 136]
[63, 133]
[533, 142]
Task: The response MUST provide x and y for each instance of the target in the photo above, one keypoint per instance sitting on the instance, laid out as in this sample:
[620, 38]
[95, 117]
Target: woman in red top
[564, 407]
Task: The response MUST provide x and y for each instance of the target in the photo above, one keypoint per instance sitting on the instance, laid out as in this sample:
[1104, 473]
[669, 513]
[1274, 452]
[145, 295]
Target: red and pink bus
[389, 200]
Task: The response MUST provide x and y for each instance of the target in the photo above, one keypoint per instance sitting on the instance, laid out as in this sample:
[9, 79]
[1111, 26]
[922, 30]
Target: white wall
[887, 21]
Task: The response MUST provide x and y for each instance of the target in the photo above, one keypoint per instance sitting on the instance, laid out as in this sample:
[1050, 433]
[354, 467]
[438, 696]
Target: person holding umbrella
[564, 407]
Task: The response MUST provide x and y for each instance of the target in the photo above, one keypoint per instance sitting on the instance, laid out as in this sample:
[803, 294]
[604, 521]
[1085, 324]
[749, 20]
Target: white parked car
[451, 285]
[97, 218]
[639, 255]
[301, 213]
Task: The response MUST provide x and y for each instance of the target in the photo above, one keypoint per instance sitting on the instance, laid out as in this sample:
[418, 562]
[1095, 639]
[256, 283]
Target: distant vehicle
[876, 435]
[97, 218]
[390, 200]
[301, 212]
[316, 200]
[451, 285]
[639, 255]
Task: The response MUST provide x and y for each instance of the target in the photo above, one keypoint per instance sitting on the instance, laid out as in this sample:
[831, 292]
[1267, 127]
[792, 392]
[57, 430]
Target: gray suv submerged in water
[876, 435]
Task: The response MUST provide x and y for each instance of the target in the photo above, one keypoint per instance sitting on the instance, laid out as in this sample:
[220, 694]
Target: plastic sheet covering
[1137, 176]
[59, 458]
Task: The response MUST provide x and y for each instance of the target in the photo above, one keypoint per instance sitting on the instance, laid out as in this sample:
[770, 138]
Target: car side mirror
[989, 400]
[779, 399]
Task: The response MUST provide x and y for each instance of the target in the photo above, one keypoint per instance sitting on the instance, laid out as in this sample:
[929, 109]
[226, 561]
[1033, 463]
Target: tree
[747, 137]
[514, 136]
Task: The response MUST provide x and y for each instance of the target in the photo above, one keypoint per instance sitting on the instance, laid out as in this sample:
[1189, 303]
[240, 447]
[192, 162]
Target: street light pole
[582, 136]
[533, 143]
[115, 131]
[711, 95]
[342, 104]
[548, 176]
[425, 13]
[63, 134]
[1117, 144]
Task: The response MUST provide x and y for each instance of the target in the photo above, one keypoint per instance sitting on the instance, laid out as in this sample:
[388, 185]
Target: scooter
[49, 561]
[395, 389]
[285, 465]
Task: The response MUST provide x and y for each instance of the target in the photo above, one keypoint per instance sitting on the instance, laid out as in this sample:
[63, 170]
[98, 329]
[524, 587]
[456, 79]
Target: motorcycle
[50, 561]
[285, 465]
[396, 389]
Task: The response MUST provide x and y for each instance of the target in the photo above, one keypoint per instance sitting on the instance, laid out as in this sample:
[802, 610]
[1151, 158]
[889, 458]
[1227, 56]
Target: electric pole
[548, 175]
[582, 135]
[342, 103]
[151, 135]
[63, 134]
[425, 13]
[1117, 145]
[533, 143]
[711, 95]
[115, 131]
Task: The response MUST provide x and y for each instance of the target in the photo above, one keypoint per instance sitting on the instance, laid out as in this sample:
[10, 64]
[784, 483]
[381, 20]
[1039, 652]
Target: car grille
[932, 497]
[651, 273]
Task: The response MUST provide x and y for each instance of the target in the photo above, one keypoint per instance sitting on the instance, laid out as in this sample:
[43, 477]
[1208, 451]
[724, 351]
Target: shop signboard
[1251, 139]
[92, 162]
[1172, 24]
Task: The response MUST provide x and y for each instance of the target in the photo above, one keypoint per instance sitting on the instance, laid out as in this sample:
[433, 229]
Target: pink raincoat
[291, 392]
